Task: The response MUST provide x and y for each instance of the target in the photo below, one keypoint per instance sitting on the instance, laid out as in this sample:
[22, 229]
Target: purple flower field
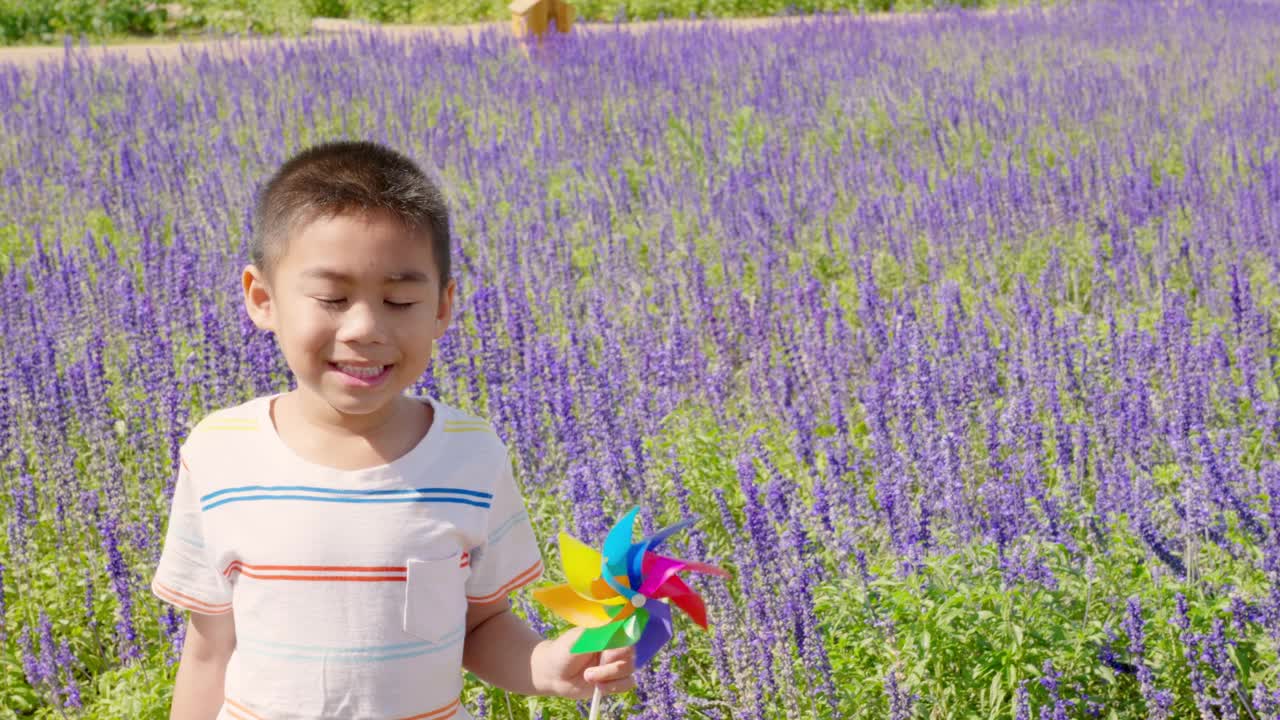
[960, 334]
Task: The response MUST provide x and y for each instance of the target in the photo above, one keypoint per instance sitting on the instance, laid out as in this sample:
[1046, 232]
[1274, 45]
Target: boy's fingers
[616, 654]
[615, 670]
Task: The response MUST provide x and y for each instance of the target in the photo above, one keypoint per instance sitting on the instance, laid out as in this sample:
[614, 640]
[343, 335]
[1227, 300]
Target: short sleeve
[185, 577]
[509, 557]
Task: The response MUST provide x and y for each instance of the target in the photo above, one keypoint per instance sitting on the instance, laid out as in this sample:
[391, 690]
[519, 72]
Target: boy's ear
[444, 309]
[257, 298]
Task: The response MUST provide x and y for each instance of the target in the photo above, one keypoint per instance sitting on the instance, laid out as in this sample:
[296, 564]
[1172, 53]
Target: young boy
[344, 548]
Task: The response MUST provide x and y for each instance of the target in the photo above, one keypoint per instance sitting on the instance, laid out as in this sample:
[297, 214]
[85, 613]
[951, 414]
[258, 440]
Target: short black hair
[341, 177]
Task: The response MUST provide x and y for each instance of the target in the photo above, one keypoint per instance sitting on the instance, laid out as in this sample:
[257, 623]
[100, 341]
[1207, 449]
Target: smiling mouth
[362, 372]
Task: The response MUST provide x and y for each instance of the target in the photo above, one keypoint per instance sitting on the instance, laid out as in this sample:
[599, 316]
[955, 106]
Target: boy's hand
[560, 672]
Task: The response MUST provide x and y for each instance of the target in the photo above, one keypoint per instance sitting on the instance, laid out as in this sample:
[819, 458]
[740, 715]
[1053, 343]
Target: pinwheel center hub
[637, 600]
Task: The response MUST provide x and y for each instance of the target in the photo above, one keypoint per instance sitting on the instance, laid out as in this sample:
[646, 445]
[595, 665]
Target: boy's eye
[335, 302]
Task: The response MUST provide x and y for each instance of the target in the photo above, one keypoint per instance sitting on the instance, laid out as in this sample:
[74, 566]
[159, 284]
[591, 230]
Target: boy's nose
[360, 324]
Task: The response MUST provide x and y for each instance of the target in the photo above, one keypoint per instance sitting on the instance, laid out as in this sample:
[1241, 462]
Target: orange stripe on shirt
[234, 709]
[321, 568]
[256, 572]
[242, 708]
[325, 578]
[439, 713]
[187, 601]
[523, 578]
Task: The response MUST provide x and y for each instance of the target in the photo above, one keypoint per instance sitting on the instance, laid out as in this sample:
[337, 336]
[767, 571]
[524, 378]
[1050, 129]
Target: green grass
[36, 22]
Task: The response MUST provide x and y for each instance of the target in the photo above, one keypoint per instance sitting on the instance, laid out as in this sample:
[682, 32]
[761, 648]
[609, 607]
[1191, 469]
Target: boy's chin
[357, 401]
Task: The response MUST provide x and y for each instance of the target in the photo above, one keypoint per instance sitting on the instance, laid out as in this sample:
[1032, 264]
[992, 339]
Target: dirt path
[162, 50]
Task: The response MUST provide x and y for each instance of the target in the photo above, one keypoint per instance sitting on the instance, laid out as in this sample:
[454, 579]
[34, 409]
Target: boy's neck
[316, 415]
[320, 434]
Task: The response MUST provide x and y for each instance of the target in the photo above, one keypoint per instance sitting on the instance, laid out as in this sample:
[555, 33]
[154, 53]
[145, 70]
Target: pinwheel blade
[656, 632]
[614, 635]
[618, 543]
[620, 585]
[635, 562]
[620, 612]
[634, 626]
[683, 597]
[659, 568]
[564, 601]
[656, 539]
[604, 592]
[582, 569]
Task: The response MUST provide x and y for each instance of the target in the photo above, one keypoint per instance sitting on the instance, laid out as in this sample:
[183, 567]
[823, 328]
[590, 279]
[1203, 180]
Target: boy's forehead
[346, 246]
[319, 272]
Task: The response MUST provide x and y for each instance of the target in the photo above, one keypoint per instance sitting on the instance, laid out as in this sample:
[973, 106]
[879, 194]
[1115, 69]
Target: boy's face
[355, 304]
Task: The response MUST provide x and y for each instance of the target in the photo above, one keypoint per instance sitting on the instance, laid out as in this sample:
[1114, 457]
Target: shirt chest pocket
[435, 597]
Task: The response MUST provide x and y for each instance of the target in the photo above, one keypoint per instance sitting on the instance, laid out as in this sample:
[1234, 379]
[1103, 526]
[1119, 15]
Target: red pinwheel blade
[683, 597]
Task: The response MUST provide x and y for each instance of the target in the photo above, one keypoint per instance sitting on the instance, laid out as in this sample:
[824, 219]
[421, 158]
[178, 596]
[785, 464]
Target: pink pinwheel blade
[656, 632]
[659, 568]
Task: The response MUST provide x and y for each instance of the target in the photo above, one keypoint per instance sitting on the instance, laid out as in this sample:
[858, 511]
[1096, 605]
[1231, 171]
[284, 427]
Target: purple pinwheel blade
[656, 632]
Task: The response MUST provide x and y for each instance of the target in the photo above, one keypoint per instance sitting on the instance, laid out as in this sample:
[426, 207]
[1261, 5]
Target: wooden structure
[531, 17]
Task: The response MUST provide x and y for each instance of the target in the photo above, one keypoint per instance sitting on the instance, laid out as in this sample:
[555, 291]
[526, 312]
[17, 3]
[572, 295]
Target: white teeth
[366, 372]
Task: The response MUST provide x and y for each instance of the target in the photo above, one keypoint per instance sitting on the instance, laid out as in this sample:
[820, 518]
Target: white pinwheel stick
[595, 704]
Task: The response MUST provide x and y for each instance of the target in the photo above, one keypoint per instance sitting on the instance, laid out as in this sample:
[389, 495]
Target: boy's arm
[199, 688]
[503, 650]
[499, 648]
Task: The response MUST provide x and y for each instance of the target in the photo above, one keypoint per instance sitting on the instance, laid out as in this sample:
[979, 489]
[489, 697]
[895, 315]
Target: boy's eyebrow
[402, 276]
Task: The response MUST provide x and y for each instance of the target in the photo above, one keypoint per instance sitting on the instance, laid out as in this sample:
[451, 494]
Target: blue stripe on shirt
[343, 491]
[349, 655]
[312, 498]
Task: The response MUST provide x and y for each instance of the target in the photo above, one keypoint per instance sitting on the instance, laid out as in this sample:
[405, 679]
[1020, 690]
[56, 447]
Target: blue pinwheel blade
[656, 632]
[656, 539]
[635, 561]
[618, 544]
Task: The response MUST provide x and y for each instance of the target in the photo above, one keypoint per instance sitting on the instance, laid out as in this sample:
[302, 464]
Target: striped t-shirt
[349, 588]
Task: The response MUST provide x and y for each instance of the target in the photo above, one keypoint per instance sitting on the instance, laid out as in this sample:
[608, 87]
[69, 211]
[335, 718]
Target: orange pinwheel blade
[569, 605]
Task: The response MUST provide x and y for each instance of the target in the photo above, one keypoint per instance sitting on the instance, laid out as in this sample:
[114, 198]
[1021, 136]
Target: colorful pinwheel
[621, 596]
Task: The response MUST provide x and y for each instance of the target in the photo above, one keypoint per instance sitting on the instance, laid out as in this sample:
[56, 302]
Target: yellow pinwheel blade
[569, 605]
[581, 563]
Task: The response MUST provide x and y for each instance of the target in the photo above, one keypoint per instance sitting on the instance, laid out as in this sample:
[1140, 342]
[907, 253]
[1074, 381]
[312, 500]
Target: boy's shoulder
[466, 430]
[226, 424]
[228, 429]
[246, 411]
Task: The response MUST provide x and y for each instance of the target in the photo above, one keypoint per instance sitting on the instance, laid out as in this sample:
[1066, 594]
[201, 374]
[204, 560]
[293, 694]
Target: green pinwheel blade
[622, 633]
